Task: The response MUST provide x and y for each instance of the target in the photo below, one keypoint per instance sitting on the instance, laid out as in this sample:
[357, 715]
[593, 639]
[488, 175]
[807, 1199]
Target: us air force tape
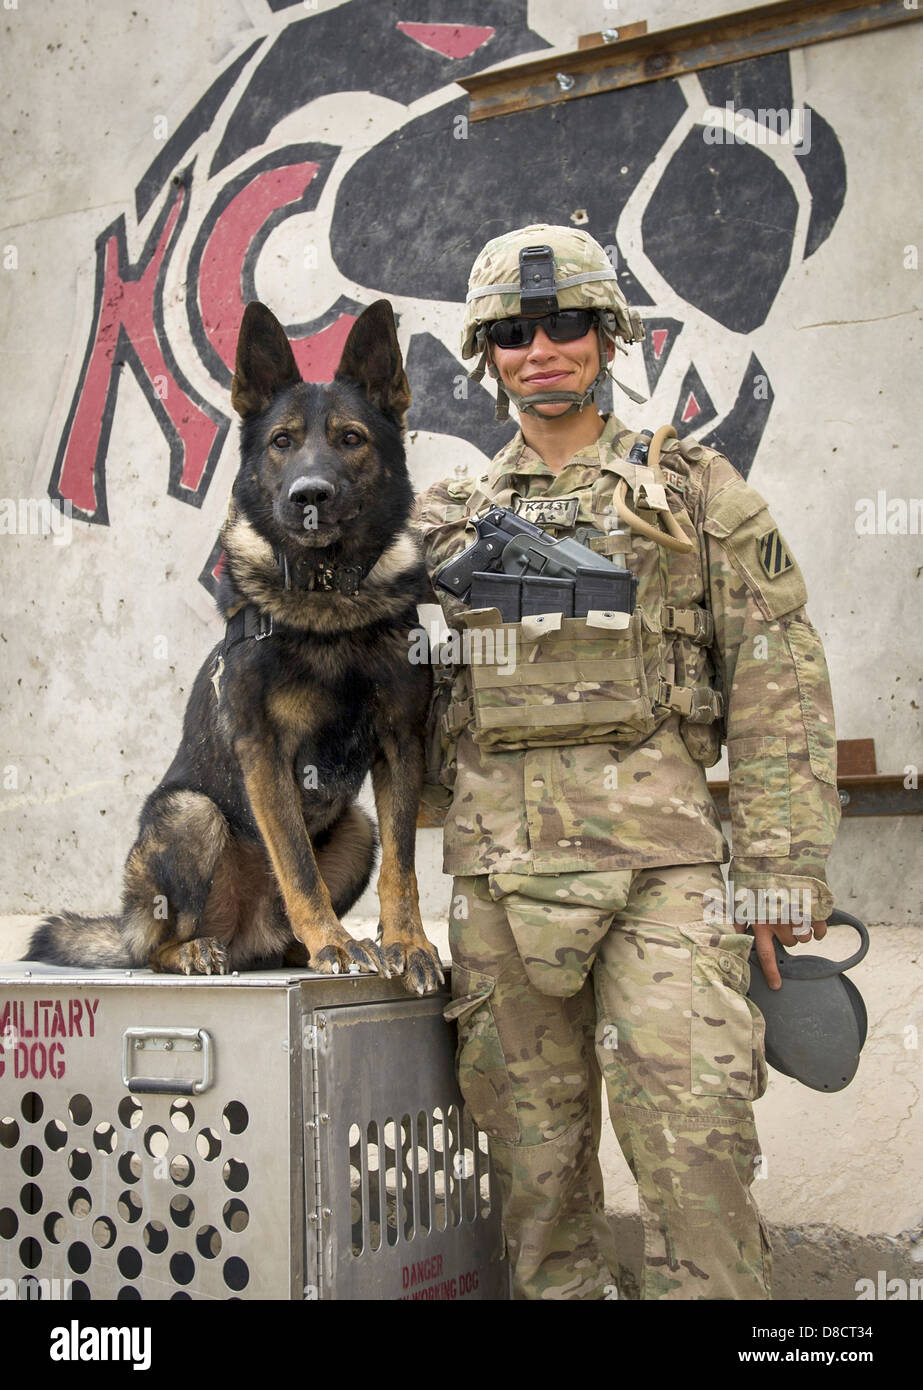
[674, 480]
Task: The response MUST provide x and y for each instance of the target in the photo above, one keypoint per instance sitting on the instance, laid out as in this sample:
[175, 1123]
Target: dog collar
[324, 578]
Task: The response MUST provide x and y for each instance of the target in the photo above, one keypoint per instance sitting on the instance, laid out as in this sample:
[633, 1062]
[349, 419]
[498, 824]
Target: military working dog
[252, 846]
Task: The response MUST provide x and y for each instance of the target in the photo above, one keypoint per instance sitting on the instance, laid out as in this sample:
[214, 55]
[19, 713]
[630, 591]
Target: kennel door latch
[168, 1040]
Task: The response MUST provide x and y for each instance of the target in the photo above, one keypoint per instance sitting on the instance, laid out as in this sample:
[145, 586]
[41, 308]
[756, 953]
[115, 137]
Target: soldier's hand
[789, 936]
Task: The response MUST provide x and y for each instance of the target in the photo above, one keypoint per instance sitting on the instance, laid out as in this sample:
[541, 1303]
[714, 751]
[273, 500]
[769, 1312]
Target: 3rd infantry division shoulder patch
[774, 558]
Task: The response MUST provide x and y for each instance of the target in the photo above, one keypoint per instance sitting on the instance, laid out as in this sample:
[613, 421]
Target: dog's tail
[70, 939]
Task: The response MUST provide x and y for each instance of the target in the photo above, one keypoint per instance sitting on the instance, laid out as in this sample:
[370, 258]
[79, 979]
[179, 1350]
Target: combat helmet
[562, 268]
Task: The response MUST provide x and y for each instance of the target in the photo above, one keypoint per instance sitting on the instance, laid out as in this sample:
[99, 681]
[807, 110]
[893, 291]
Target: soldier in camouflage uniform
[583, 839]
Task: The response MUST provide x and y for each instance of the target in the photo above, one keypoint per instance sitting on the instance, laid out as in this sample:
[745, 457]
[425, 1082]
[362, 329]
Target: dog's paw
[418, 966]
[350, 958]
[203, 955]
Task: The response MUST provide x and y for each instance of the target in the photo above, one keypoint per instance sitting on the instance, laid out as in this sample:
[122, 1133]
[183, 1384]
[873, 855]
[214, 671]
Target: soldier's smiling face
[543, 365]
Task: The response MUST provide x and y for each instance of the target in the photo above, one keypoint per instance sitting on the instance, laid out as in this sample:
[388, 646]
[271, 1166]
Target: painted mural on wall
[703, 207]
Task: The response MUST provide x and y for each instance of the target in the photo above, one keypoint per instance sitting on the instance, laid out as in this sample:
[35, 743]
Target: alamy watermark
[742, 907]
[883, 1289]
[30, 1288]
[37, 516]
[767, 126]
[80, 1343]
[476, 646]
[889, 516]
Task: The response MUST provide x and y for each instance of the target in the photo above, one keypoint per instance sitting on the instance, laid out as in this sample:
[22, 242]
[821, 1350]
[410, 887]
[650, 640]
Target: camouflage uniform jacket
[594, 806]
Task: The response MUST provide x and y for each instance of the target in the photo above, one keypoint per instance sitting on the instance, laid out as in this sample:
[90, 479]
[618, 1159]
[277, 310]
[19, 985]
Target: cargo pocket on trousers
[482, 1075]
[728, 1048]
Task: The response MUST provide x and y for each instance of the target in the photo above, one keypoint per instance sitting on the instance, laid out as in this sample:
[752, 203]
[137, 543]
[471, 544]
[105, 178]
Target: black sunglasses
[564, 326]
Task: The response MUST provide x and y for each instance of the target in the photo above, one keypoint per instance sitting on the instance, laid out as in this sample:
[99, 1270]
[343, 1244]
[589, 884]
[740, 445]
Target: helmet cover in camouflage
[584, 279]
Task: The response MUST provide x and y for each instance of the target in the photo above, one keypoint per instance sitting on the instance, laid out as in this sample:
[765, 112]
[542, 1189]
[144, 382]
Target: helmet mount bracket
[537, 293]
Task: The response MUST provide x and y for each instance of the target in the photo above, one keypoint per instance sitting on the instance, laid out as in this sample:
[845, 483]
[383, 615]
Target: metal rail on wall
[632, 58]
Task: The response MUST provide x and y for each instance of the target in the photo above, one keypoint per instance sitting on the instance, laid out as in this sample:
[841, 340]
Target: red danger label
[424, 1279]
[33, 1031]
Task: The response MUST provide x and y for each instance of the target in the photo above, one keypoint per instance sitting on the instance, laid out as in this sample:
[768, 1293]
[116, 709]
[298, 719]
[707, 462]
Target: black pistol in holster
[520, 569]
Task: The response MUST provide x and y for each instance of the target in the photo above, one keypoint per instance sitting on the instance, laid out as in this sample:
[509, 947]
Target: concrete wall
[806, 276]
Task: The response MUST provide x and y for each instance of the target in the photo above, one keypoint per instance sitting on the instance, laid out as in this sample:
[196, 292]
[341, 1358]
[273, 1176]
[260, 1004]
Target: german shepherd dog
[251, 847]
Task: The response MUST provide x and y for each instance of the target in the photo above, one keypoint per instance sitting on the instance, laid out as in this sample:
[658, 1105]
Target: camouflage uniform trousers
[663, 1016]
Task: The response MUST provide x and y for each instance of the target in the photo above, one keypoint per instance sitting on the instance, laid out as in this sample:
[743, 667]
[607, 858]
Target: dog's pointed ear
[372, 358]
[265, 361]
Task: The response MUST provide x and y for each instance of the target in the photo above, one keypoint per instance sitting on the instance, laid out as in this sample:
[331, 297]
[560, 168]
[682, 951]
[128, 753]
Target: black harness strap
[248, 622]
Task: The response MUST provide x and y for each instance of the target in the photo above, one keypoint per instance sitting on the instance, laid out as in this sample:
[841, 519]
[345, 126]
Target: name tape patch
[547, 511]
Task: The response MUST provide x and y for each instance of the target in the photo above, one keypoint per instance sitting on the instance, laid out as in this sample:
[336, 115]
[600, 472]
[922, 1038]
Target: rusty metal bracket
[609, 36]
[647, 57]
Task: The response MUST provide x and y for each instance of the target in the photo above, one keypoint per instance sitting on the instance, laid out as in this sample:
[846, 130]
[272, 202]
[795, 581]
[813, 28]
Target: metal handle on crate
[167, 1040]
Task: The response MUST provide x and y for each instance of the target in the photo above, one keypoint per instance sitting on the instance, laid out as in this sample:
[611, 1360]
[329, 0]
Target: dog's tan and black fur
[252, 847]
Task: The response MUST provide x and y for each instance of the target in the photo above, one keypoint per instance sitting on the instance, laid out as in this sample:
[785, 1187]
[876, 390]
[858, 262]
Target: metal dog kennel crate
[275, 1135]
